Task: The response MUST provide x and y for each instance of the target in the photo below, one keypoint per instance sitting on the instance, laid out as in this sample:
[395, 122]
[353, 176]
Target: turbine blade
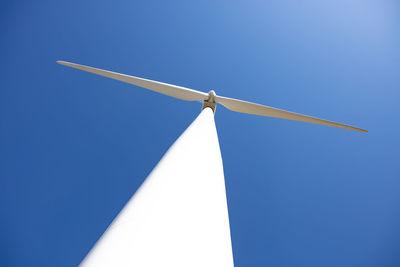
[257, 109]
[159, 87]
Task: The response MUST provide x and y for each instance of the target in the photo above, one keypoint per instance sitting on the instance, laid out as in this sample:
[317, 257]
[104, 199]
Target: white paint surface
[179, 216]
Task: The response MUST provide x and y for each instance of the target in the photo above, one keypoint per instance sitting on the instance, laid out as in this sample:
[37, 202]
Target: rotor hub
[210, 101]
[211, 96]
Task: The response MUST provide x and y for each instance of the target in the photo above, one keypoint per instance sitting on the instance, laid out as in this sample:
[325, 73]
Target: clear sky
[75, 146]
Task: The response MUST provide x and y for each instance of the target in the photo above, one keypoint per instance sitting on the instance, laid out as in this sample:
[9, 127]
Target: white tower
[179, 216]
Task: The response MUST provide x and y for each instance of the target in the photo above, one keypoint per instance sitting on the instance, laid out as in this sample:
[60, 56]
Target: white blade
[162, 88]
[252, 108]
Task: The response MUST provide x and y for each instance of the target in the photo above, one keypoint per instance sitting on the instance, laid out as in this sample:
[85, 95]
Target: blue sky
[74, 146]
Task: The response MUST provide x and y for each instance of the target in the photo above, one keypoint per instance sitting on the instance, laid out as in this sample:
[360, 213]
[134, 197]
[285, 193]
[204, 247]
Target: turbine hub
[210, 101]
[211, 96]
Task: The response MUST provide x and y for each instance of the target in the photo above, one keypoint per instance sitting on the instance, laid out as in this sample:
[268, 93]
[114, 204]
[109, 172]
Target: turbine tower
[179, 216]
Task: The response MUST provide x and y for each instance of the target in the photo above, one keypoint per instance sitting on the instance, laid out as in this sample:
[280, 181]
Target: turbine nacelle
[210, 101]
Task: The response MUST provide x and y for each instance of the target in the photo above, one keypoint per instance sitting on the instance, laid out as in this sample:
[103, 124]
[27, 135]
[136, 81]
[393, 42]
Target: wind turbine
[179, 216]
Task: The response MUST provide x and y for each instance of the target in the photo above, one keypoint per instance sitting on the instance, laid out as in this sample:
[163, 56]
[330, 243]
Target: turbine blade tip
[360, 130]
